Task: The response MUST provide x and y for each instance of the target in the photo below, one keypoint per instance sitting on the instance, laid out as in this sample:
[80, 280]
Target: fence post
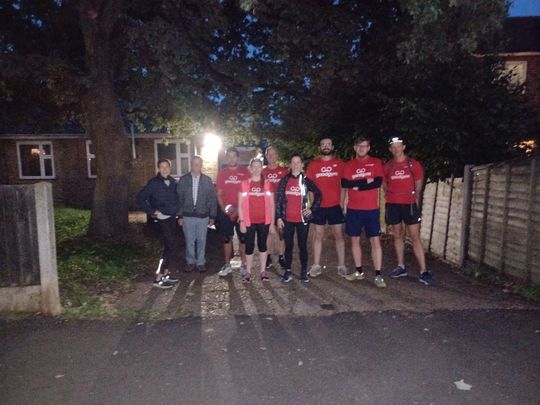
[433, 215]
[50, 295]
[532, 189]
[505, 217]
[448, 216]
[466, 214]
[483, 230]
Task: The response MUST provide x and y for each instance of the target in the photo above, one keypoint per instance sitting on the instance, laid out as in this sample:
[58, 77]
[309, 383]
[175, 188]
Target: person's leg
[262, 237]
[190, 235]
[399, 244]
[201, 231]
[170, 246]
[356, 251]
[288, 236]
[317, 244]
[376, 252]
[302, 231]
[249, 237]
[414, 233]
[241, 244]
[340, 243]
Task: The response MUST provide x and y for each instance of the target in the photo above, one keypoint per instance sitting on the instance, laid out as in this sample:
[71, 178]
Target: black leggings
[302, 231]
[171, 243]
[262, 234]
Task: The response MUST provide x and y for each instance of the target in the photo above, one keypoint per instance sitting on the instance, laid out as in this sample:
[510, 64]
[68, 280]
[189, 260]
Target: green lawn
[87, 269]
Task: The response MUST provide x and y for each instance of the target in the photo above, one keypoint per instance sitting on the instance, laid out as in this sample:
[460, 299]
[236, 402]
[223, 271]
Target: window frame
[179, 155]
[42, 159]
[89, 157]
[515, 63]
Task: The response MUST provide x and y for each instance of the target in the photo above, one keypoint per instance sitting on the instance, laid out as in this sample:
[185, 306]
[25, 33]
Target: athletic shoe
[342, 271]
[162, 283]
[243, 270]
[355, 276]
[268, 261]
[189, 268]
[426, 278]
[304, 278]
[315, 270]
[379, 281]
[398, 272]
[264, 276]
[225, 270]
[201, 268]
[246, 277]
[282, 261]
[169, 279]
[287, 276]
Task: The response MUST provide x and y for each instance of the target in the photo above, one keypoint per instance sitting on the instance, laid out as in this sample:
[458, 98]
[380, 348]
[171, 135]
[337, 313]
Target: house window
[90, 160]
[35, 160]
[518, 71]
[177, 152]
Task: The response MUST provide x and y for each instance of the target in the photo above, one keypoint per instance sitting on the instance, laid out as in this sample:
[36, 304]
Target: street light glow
[212, 143]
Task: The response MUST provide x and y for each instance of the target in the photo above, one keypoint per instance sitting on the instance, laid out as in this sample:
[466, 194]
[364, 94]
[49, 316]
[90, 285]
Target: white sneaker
[243, 270]
[379, 282]
[225, 270]
[315, 270]
[342, 271]
[355, 276]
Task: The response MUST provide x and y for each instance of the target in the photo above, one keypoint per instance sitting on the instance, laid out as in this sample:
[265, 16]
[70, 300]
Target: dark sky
[521, 8]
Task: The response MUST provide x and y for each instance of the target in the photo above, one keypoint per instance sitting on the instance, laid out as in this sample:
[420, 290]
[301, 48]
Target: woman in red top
[256, 216]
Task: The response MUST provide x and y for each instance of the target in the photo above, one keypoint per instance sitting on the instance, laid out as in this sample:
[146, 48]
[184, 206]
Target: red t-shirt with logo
[363, 169]
[273, 176]
[326, 174]
[293, 212]
[256, 202]
[400, 178]
[228, 181]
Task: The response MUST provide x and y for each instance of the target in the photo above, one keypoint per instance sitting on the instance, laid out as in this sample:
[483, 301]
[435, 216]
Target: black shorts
[328, 215]
[227, 227]
[356, 220]
[398, 213]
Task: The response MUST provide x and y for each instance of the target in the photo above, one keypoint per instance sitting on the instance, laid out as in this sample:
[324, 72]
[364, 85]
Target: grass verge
[89, 270]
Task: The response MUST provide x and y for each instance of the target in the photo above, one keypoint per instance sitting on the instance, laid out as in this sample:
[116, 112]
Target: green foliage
[70, 224]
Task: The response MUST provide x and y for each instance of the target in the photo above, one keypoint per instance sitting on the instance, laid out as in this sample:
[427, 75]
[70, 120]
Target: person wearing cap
[403, 182]
[362, 178]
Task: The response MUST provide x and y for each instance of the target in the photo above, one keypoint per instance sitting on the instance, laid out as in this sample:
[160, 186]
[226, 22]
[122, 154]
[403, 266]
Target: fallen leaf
[462, 385]
[115, 353]
[300, 362]
[59, 376]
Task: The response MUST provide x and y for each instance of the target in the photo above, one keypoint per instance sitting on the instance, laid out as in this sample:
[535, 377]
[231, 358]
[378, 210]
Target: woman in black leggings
[297, 198]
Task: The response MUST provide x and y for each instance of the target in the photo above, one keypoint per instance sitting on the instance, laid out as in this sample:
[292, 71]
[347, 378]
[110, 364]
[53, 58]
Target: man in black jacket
[159, 200]
[197, 211]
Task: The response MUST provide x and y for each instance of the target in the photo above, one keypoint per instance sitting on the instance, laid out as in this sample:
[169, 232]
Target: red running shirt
[293, 212]
[256, 202]
[363, 169]
[228, 181]
[400, 178]
[327, 177]
[273, 176]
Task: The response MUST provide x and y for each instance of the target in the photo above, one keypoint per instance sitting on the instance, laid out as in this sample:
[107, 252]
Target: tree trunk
[104, 124]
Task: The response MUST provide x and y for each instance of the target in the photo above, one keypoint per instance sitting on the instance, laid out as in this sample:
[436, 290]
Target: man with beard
[326, 172]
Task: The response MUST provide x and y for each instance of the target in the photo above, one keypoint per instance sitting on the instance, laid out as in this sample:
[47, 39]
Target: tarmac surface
[214, 340]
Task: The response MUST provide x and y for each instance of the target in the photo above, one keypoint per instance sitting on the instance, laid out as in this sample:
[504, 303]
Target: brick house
[67, 160]
[521, 54]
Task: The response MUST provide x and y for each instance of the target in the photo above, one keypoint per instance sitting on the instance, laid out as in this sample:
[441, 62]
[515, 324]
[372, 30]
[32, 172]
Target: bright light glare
[212, 142]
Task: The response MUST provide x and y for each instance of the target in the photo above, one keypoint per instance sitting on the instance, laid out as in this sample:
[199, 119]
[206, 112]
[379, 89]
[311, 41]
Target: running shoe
[304, 278]
[282, 261]
[379, 281]
[287, 276]
[342, 271]
[264, 276]
[269, 262]
[356, 276]
[201, 268]
[170, 279]
[225, 270]
[243, 270]
[398, 272]
[426, 278]
[162, 283]
[246, 277]
[315, 270]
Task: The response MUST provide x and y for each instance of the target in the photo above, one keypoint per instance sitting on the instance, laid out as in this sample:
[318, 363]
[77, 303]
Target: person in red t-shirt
[326, 172]
[273, 173]
[403, 182]
[228, 186]
[256, 216]
[363, 178]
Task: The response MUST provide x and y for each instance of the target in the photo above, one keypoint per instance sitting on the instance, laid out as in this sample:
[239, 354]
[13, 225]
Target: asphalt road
[369, 357]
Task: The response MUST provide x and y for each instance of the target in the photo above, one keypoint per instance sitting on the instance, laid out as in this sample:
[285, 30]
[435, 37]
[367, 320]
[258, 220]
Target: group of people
[268, 205]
